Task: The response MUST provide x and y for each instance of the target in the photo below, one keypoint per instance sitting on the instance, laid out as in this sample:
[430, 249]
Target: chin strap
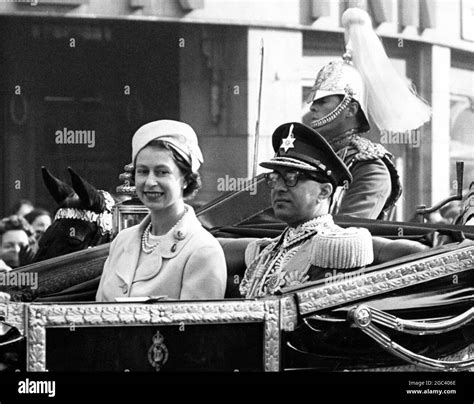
[317, 123]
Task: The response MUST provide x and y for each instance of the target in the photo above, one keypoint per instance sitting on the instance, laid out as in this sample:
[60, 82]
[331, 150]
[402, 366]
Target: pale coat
[189, 264]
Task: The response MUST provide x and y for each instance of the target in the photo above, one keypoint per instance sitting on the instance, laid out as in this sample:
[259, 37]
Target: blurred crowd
[20, 232]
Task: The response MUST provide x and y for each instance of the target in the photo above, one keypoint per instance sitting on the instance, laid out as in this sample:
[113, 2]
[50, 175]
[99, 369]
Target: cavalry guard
[364, 87]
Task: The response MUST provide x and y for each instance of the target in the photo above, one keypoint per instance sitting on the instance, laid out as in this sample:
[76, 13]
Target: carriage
[411, 310]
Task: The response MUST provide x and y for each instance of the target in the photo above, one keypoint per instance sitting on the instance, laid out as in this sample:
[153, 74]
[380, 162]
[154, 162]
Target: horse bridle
[104, 220]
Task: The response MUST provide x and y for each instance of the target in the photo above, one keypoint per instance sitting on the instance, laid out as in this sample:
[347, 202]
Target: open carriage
[412, 309]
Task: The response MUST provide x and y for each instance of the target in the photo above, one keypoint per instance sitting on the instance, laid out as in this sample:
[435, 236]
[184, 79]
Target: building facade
[96, 70]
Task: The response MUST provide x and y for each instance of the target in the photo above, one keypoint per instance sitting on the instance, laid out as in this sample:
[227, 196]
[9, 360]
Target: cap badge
[288, 142]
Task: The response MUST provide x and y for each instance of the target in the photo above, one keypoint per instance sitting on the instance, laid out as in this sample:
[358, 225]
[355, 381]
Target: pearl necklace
[149, 248]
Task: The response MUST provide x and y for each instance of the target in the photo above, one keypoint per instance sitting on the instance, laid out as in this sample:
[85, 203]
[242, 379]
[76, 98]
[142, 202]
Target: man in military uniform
[345, 93]
[306, 171]
[340, 118]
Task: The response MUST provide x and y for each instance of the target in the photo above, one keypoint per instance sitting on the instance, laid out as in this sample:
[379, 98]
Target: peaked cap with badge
[300, 147]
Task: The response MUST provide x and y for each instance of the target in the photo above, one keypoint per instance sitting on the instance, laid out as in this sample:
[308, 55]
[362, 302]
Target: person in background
[348, 97]
[169, 253]
[40, 220]
[22, 208]
[17, 242]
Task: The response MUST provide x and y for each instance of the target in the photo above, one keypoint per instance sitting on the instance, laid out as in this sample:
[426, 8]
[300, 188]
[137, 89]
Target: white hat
[179, 135]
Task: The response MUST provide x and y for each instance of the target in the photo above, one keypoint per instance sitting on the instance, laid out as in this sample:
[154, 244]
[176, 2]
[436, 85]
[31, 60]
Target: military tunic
[301, 254]
[375, 187]
[278, 265]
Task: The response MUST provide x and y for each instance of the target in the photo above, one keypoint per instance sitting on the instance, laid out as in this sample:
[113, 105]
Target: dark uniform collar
[345, 138]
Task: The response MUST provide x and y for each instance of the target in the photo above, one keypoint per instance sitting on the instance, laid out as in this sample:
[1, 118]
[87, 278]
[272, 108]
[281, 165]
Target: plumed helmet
[366, 74]
[340, 77]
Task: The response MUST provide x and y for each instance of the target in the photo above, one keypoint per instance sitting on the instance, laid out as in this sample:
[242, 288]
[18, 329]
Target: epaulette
[359, 148]
[367, 150]
[342, 248]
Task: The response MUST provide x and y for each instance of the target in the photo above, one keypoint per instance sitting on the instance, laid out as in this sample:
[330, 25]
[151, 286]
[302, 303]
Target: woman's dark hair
[193, 180]
[30, 217]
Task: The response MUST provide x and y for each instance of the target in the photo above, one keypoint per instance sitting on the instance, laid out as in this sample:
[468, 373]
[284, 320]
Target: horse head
[83, 219]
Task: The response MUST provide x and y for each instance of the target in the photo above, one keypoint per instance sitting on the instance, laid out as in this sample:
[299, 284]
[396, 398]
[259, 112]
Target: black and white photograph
[268, 195]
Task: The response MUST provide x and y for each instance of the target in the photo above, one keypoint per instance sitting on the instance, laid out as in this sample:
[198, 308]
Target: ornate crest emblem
[329, 77]
[288, 142]
[295, 278]
[275, 282]
[158, 352]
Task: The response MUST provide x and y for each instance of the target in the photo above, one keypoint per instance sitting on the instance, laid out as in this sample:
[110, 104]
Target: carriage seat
[386, 250]
[234, 250]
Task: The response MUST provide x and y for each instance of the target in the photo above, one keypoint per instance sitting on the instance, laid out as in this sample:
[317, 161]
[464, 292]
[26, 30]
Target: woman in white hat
[169, 253]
